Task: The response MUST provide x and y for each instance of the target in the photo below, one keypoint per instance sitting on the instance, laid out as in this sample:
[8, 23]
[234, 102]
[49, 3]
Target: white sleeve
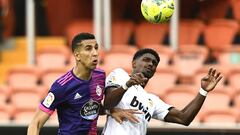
[161, 108]
[117, 77]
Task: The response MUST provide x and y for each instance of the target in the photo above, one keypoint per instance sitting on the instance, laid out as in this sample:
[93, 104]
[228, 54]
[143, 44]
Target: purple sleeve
[53, 99]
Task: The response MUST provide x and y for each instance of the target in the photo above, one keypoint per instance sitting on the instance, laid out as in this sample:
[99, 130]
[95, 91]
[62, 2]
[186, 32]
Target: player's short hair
[141, 52]
[79, 38]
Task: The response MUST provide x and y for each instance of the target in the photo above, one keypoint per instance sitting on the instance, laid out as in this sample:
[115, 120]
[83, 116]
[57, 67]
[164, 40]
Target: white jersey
[134, 98]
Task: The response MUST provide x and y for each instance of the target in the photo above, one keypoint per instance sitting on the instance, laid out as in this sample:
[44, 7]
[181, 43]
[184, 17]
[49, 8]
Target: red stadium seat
[23, 78]
[4, 93]
[23, 117]
[200, 73]
[49, 76]
[161, 82]
[220, 33]
[123, 48]
[4, 116]
[190, 31]
[112, 61]
[121, 32]
[147, 33]
[235, 4]
[236, 100]
[180, 96]
[217, 100]
[230, 57]
[49, 58]
[213, 9]
[186, 64]
[225, 117]
[233, 79]
[77, 27]
[25, 101]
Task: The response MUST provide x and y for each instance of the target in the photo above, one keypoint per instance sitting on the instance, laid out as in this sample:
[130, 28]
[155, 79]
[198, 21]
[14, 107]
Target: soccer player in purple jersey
[77, 95]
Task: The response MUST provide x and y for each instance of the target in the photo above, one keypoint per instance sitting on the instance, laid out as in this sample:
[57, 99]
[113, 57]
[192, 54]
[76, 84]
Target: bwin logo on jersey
[136, 103]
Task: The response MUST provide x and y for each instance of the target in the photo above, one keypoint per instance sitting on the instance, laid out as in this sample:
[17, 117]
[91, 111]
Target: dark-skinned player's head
[145, 61]
[85, 50]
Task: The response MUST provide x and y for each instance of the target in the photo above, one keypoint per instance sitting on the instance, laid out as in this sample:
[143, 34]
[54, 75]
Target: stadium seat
[161, 82]
[190, 31]
[230, 57]
[198, 50]
[236, 100]
[58, 19]
[235, 4]
[23, 78]
[49, 58]
[49, 76]
[147, 33]
[4, 93]
[218, 100]
[223, 118]
[112, 61]
[25, 101]
[220, 33]
[200, 73]
[121, 32]
[213, 9]
[186, 65]
[233, 79]
[180, 96]
[23, 117]
[4, 116]
[123, 48]
[76, 27]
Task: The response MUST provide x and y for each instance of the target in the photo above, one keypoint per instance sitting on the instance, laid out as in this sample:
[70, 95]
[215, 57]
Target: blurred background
[35, 37]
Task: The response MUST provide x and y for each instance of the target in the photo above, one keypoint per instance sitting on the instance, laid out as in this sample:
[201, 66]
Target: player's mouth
[148, 69]
[95, 62]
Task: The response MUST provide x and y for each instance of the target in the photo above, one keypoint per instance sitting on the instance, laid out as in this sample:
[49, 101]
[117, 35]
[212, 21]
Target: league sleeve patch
[49, 100]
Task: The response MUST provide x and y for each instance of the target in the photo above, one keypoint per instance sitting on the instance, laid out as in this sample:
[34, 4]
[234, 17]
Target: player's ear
[133, 64]
[76, 55]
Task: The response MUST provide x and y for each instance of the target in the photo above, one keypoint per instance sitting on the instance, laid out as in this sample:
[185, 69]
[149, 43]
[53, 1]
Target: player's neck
[82, 72]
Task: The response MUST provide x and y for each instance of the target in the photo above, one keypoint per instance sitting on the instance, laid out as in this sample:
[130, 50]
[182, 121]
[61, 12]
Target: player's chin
[148, 74]
[93, 67]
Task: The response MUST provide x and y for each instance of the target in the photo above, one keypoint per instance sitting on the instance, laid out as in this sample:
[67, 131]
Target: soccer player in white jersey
[127, 92]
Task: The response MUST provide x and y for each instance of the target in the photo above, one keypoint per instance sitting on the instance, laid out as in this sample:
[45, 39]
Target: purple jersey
[77, 102]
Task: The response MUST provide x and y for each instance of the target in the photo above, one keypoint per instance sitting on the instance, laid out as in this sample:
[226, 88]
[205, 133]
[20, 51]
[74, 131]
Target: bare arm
[37, 122]
[186, 115]
[114, 94]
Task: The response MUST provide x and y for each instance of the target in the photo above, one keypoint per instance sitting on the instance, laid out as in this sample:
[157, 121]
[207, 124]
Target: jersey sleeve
[117, 77]
[161, 108]
[53, 98]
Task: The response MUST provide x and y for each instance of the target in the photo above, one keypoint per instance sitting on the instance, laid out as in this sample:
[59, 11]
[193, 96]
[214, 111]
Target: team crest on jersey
[90, 110]
[150, 102]
[49, 100]
[112, 79]
[99, 90]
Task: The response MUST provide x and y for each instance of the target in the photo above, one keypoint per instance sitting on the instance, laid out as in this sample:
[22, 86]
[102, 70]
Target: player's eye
[88, 48]
[96, 47]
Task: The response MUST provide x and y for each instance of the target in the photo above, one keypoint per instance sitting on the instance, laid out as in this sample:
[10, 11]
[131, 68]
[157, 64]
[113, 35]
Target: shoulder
[98, 70]
[61, 82]
[154, 97]
[99, 73]
[118, 72]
